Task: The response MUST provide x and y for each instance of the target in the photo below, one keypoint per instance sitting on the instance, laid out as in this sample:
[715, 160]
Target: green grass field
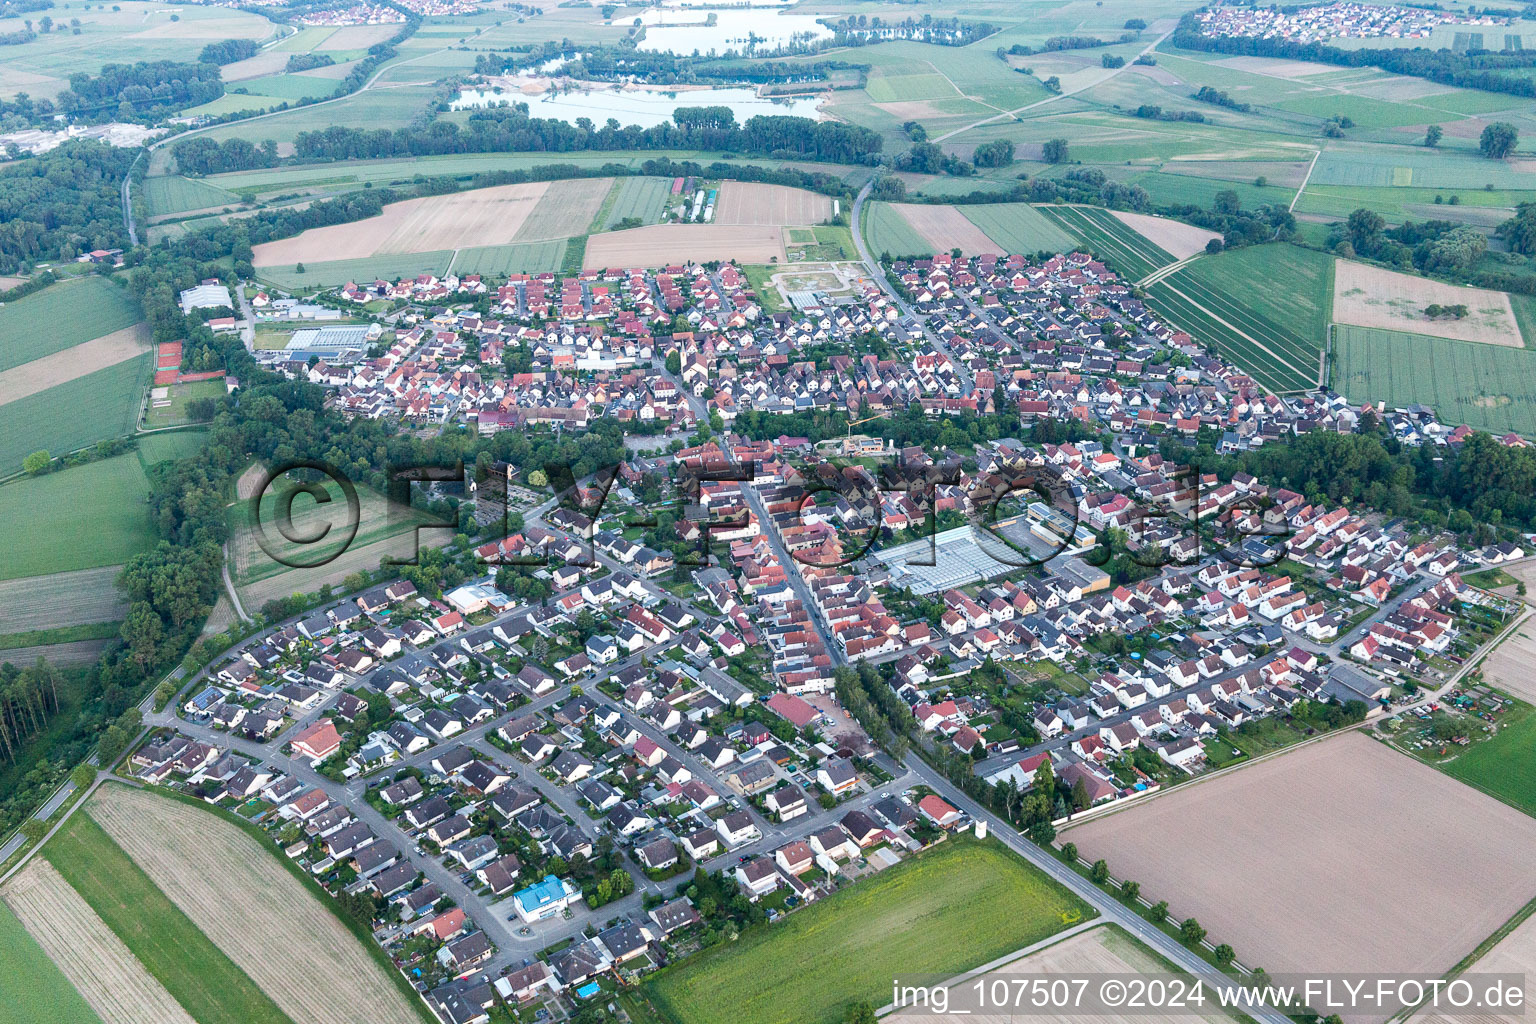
[643, 198]
[1125, 250]
[196, 973]
[959, 905]
[76, 518]
[62, 316]
[175, 414]
[886, 232]
[75, 414]
[172, 444]
[32, 988]
[501, 260]
[1504, 766]
[1487, 387]
[174, 194]
[1020, 228]
[1264, 307]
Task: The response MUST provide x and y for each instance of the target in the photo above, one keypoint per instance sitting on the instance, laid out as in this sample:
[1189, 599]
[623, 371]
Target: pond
[644, 107]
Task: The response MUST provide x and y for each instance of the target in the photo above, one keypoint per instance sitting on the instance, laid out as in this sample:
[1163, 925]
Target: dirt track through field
[946, 227]
[661, 244]
[62, 367]
[237, 894]
[92, 957]
[1342, 856]
[750, 202]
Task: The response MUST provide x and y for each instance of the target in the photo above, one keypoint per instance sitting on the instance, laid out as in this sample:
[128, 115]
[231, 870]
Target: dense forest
[1475, 69]
[148, 89]
[510, 129]
[63, 203]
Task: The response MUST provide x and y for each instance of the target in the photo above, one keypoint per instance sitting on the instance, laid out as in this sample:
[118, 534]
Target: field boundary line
[1305, 178]
[1282, 360]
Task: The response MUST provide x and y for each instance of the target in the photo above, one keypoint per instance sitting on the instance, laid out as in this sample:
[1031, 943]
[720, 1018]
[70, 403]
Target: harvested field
[62, 367]
[95, 960]
[62, 316]
[745, 202]
[566, 208]
[485, 216]
[1509, 666]
[236, 892]
[660, 244]
[77, 652]
[945, 228]
[1289, 859]
[1515, 954]
[357, 37]
[269, 62]
[1172, 236]
[1369, 296]
[1276, 67]
[61, 599]
[1103, 950]
[32, 988]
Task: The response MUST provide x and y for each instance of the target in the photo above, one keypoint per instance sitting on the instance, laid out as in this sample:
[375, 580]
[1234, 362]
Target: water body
[644, 107]
[685, 32]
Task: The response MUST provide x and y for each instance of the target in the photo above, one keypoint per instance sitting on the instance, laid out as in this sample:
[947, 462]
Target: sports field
[1487, 387]
[1020, 228]
[196, 973]
[1264, 308]
[76, 518]
[1344, 852]
[956, 906]
[32, 989]
[1126, 251]
[62, 316]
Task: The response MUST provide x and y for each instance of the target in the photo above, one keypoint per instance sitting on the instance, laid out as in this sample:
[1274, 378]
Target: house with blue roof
[544, 899]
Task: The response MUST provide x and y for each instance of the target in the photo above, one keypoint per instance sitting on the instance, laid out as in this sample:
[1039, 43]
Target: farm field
[75, 414]
[1458, 859]
[1513, 954]
[62, 316]
[1504, 766]
[83, 517]
[1020, 228]
[641, 198]
[32, 988]
[50, 371]
[944, 228]
[284, 938]
[1102, 950]
[1368, 296]
[178, 955]
[174, 194]
[1403, 166]
[660, 244]
[1275, 333]
[1174, 237]
[565, 208]
[58, 599]
[1125, 249]
[259, 578]
[888, 232]
[501, 260]
[380, 107]
[753, 203]
[329, 273]
[490, 216]
[101, 968]
[958, 905]
[1487, 387]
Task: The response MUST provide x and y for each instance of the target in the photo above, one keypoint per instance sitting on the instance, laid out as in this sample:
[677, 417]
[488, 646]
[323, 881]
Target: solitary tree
[37, 462]
[1099, 872]
[1432, 135]
[1054, 151]
[1499, 140]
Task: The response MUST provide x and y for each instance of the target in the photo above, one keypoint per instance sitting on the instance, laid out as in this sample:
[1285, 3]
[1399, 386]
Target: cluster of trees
[929, 158]
[1058, 43]
[875, 706]
[612, 63]
[510, 129]
[228, 52]
[1220, 99]
[1153, 112]
[203, 155]
[61, 203]
[141, 91]
[1433, 246]
[863, 29]
[1474, 69]
[997, 153]
[1457, 312]
[1498, 140]
[1054, 151]
[308, 61]
[1519, 232]
[29, 698]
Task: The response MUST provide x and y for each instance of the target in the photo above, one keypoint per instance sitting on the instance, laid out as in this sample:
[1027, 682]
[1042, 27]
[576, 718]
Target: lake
[644, 107]
[685, 31]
